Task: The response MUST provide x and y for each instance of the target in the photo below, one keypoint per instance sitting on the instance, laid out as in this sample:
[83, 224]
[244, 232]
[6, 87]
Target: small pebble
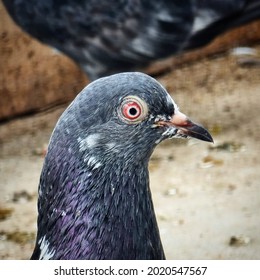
[240, 240]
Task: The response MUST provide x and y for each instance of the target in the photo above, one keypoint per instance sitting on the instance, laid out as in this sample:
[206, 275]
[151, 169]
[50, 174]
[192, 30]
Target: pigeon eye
[133, 109]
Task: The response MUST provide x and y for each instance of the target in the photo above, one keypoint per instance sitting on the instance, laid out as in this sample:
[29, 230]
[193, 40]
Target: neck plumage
[101, 213]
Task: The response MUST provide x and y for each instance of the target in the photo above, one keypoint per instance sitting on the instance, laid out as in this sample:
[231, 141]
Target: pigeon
[106, 37]
[94, 200]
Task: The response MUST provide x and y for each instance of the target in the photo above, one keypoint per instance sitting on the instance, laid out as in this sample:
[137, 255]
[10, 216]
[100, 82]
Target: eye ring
[133, 109]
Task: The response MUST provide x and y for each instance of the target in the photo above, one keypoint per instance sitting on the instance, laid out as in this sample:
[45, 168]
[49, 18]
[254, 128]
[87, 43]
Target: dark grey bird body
[106, 37]
[94, 196]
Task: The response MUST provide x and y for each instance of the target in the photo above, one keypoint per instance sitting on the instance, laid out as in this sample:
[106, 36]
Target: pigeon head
[94, 197]
[123, 117]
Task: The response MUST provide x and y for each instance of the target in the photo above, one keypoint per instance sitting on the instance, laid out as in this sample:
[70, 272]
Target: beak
[186, 127]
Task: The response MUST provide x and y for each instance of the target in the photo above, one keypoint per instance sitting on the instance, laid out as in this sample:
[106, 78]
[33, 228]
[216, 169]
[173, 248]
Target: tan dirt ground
[207, 197]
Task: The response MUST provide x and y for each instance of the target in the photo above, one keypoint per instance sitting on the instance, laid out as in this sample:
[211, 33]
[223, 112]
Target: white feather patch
[92, 162]
[46, 254]
[89, 142]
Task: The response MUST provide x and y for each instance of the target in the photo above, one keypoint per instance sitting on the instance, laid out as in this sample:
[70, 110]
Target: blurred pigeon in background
[94, 196]
[106, 37]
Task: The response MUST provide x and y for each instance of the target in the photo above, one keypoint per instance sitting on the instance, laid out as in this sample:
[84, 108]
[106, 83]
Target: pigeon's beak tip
[187, 127]
[207, 136]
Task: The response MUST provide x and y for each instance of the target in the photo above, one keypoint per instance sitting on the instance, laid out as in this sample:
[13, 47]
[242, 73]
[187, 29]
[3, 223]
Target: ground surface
[207, 197]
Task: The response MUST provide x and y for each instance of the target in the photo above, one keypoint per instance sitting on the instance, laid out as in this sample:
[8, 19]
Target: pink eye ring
[133, 109]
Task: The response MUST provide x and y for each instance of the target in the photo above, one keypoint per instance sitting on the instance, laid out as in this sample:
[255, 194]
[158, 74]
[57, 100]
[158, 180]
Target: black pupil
[133, 111]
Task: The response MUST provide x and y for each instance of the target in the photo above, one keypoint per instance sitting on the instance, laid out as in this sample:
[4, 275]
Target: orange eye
[133, 109]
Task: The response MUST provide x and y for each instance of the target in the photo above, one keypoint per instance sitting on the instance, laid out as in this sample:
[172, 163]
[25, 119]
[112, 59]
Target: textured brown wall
[34, 77]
